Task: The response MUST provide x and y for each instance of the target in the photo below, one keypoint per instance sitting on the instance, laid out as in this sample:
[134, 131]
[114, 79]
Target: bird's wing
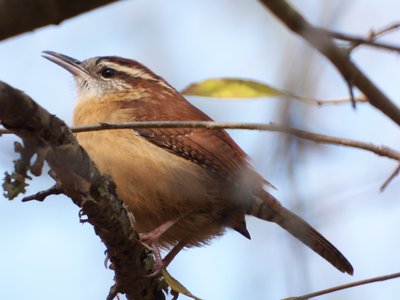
[212, 149]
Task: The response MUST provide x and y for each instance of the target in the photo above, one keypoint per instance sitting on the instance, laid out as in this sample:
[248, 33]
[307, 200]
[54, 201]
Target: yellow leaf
[176, 285]
[231, 88]
[239, 88]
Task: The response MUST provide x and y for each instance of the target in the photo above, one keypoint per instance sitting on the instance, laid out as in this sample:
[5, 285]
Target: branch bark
[82, 182]
[18, 16]
[320, 40]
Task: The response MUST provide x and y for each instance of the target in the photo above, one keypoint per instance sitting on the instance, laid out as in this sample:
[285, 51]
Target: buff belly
[159, 186]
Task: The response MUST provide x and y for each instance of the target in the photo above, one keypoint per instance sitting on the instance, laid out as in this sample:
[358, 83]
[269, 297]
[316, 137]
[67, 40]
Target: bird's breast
[157, 185]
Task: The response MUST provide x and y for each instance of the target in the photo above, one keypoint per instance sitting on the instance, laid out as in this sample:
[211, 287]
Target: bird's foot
[162, 263]
[152, 238]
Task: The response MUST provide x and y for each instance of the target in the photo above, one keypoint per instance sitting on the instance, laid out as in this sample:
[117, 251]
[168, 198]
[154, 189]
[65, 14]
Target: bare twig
[370, 40]
[315, 137]
[345, 286]
[390, 178]
[352, 99]
[113, 293]
[374, 33]
[356, 40]
[40, 196]
[351, 92]
[323, 42]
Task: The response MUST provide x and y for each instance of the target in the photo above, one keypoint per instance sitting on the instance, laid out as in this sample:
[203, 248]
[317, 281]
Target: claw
[162, 263]
[152, 238]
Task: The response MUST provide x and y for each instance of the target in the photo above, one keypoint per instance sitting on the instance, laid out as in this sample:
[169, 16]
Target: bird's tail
[269, 209]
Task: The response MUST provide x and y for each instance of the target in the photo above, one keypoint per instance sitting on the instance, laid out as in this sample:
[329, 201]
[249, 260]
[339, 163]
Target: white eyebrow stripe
[138, 73]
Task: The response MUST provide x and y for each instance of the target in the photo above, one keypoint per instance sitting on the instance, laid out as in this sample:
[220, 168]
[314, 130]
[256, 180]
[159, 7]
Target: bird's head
[104, 76]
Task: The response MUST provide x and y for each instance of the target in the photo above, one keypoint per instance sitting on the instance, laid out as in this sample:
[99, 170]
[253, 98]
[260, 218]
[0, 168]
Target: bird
[185, 186]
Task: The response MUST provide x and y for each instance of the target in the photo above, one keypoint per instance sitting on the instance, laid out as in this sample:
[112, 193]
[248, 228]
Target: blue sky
[47, 254]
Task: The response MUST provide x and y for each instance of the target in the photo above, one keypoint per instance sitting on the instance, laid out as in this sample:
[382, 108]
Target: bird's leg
[163, 263]
[152, 237]
[155, 234]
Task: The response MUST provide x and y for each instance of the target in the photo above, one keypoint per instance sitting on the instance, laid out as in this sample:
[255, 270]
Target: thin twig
[375, 33]
[351, 92]
[390, 178]
[359, 99]
[40, 196]
[357, 40]
[345, 286]
[315, 137]
[113, 293]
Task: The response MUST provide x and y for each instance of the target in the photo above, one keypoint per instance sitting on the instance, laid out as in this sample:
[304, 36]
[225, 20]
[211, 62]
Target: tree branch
[345, 286]
[324, 44]
[81, 181]
[40, 196]
[303, 134]
[315, 137]
[18, 16]
[357, 40]
[390, 178]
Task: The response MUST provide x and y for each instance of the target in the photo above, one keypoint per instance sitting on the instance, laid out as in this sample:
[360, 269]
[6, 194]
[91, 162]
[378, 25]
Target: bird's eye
[108, 73]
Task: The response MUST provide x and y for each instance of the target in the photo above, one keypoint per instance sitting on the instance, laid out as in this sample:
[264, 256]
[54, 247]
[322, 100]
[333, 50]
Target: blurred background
[47, 254]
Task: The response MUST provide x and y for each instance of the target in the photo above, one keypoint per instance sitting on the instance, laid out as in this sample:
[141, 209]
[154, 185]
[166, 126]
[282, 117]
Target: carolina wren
[184, 186]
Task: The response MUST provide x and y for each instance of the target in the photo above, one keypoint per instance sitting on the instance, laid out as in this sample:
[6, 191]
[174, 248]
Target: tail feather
[269, 209]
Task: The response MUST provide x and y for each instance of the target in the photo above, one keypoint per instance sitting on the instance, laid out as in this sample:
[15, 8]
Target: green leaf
[176, 286]
[231, 88]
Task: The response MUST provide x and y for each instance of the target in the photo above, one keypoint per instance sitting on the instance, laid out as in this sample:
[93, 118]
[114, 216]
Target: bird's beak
[72, 65]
